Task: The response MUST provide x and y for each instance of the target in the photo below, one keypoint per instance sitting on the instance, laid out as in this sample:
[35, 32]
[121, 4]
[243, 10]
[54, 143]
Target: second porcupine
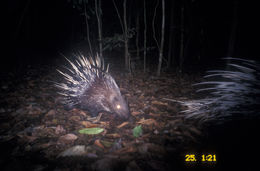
[231, 93]
[90, 87]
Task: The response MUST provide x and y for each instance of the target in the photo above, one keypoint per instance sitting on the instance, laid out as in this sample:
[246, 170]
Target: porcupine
[232, 93]
[90, 87]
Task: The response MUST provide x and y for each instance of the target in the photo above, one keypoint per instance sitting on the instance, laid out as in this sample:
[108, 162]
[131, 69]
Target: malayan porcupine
[232, 93]
[90, 87]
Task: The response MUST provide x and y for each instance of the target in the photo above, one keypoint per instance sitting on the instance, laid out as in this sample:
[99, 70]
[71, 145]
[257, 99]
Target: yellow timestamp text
[202, 158]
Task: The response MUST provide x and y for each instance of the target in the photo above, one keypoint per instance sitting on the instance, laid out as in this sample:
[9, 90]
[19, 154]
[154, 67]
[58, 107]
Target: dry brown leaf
[75, 118]
[98, 143]
[59, 130]
[88, 124]
[154, 115]
[113, 135]
[122, 125]
[82, 113]
[104, 124]
[129, 149]
[42, 146]
[155, 102]
[141, 97]
[147, 121]
[68, 138]
[50, 113]
[135, 113]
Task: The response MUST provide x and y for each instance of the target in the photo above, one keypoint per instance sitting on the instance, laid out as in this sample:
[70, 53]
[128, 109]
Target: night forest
[188, 70]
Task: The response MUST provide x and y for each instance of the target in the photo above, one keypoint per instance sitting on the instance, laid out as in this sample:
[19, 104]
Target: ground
[37, 133]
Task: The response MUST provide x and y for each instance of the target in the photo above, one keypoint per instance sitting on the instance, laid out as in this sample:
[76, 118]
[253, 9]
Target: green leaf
[137, 131]
[91, 131]
[107, 143]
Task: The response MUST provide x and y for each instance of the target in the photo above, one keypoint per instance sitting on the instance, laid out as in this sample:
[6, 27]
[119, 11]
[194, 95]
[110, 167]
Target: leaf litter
[35, 125]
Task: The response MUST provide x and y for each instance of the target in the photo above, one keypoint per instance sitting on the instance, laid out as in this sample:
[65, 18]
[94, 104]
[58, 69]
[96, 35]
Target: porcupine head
[90, 87]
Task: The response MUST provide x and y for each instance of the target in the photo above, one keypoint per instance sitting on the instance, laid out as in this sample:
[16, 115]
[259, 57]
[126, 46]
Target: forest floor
[37, 133]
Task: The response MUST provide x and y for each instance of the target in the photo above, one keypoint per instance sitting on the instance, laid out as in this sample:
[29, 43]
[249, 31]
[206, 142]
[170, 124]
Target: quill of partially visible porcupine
[89, 86]
[231, 93]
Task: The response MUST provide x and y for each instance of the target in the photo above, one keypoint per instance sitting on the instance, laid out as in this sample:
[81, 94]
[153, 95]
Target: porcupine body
[231, 93]
[90, 87]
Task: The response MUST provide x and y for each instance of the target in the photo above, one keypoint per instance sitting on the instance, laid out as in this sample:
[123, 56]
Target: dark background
[36, 32]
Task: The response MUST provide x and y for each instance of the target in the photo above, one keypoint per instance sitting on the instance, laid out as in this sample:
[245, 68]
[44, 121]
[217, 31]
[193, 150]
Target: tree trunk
[137, 38]
[99, 22]
[153, 23]
[127, 66]
[87, 27]
[162, 39]
[125, 32]
[171, 39]
[145, 30]
[18, 28]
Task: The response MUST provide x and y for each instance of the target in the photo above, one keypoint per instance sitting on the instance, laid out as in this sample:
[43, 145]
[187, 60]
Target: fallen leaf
[137, 131]
[135, 113]
[78, 150]
[155, 115]
[88, 124]
[107, 143]
[147, 121]
[91, 131]
[50, 113]
[68, 138]
[82, 113]
[104, 124]
[97, 143]
[122, 125]
[115, 135]
[75, 118]
[42, 146]
[59, 130]
[155, 102]
[129, 149]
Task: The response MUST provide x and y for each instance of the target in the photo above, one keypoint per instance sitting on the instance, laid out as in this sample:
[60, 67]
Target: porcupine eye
[116, 104]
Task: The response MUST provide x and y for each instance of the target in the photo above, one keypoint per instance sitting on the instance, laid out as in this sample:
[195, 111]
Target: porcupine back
[90, 87]
[231, 93]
